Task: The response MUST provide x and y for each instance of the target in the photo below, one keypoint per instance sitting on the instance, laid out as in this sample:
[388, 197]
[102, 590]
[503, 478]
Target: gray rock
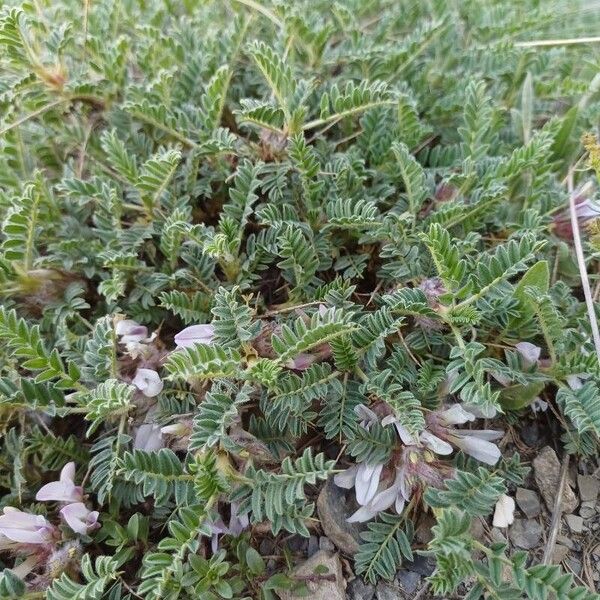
[565, 540]
[575, 565]
[331, 506]
[386, 591]
[497, 535]
[313, 545]
[326, 544]
[529, 502]
[408, 581]
[525, 533]
[530, 434]
[575, 523]
[546, 470]
[589, 486]
[298, 544]
[359, 590]
[587, 509]
[423, 534]
[560, 553]
[320, 589]
[423, 565]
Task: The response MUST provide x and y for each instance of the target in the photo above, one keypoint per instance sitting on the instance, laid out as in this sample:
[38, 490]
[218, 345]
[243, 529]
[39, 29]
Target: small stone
[319, 589]
[529, 502]
[575, 565]
[408, 581]
[525, 533]
[331, 506]
[423, 534]
[589, 486]
[326, 544]
[423, 565]
[386, 591]
[266, 547]
[313, 545]
[546, 470]
[530, 434]
[497, 535]
[575, 523]
[565, 540]
[298, 544]
[359, 590]
[477, 529]
[559, 554]
[587, 509]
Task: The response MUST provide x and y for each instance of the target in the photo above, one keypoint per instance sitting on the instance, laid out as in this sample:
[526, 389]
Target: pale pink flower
[195, 334]
[79, 518]
[529, 352]
[366, 415]
[130, 331]
[237, 524]
[63, 490]
[301, 362]
[25, 528]
[148, 382]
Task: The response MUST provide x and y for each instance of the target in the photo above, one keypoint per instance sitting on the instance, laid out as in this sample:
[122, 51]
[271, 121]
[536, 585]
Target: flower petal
[482, 434]
[148, 382]
[364, 513]
[195, 334]
[456, 415]
[346, 478]
[367, 482]
[76, 516]
[504, 514]
[407, 438]
[60, 491]
[22, 527]
[530, 352]
[148, 437]
[478, 448]
[436, 444]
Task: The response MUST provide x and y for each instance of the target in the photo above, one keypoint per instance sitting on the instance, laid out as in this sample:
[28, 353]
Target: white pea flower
[79, 518]
[148, 382]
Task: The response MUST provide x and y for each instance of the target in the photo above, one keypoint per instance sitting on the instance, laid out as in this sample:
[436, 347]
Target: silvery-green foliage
[366, 202]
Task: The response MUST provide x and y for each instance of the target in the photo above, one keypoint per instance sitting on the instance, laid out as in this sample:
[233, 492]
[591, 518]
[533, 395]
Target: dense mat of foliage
[247, 247]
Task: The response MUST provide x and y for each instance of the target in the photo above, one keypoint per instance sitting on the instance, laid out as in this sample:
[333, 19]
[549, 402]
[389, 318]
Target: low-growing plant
[250, 247]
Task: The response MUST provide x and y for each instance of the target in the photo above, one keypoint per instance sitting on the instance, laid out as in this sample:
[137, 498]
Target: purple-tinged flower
[585, 210]
[301, 362]
[237, 524]
[366, 415]
[195, 334]
[80, 518]
[529, 352]
[63, 490]
[131, 332]
[148, 382]
[25, 528]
